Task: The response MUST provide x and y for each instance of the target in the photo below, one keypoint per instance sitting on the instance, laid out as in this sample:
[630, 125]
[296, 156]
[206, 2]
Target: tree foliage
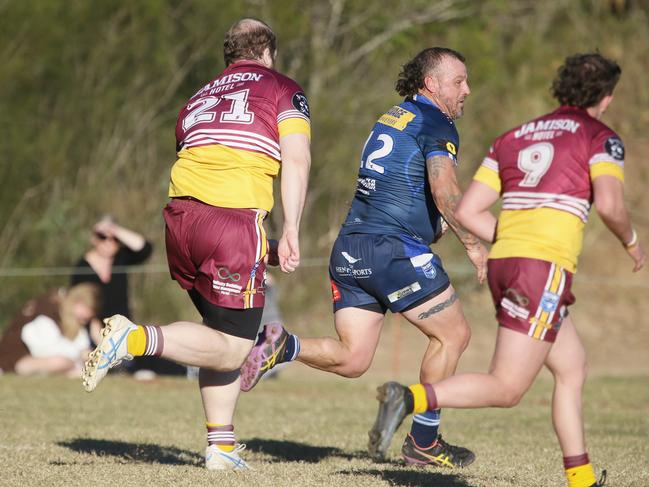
[89, 93]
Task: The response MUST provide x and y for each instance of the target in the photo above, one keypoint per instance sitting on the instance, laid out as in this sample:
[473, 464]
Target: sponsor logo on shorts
[349, 258]
[403, 292]
[425, 263]
[549, 301]
[335, 292]
[224, 273]
[517, 297]
[226, 288]
[361, 273]
[350, 271]
[343, 271]
[514, 310]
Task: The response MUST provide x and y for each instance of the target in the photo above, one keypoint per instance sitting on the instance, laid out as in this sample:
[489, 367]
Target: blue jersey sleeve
[438, 137]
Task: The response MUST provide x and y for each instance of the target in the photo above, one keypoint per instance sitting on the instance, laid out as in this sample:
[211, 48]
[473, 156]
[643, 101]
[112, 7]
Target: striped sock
[291, 349]
[425, 428]
[221, 435]
[145, 340]
[425, 398]
[579, 471]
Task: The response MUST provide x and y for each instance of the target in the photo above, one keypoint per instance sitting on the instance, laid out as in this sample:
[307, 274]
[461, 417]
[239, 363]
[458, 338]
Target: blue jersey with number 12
[393, 195]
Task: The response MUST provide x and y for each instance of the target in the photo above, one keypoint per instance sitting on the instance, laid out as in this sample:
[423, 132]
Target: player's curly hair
[584, 79]
[411, 78]
[248, 39]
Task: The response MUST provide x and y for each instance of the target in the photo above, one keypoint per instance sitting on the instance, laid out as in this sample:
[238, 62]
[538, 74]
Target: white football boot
[112, 349]
[217, 459]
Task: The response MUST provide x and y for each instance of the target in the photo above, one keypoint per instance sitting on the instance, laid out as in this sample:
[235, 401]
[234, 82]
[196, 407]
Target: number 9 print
[535, 161]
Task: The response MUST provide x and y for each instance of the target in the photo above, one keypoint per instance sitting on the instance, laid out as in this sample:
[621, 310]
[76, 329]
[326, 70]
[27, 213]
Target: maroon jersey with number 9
[543, 170]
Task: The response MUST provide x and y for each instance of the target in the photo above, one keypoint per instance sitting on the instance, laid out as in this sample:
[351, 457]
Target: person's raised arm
[447, 195]
[133, 240]
[609, 202]
[296, 162]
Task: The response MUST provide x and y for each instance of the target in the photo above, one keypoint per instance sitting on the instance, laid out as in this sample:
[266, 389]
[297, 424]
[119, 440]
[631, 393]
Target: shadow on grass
[410, 478]
[293, 451]
[137, 452]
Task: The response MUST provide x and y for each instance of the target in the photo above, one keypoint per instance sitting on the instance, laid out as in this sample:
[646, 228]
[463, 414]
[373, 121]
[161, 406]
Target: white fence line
[633, 282]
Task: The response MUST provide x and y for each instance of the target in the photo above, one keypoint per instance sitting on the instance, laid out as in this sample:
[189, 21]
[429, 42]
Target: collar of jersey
[570, 108]
[243, 62]
[423, 99]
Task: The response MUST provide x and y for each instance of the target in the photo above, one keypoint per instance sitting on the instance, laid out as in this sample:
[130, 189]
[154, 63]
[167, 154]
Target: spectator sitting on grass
[49, 335]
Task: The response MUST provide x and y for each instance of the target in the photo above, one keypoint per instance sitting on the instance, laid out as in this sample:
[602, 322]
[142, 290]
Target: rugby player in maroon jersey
[232, 138]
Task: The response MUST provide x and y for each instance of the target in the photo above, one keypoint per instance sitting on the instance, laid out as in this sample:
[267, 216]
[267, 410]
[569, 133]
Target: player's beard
[458, 109]
[455, 107]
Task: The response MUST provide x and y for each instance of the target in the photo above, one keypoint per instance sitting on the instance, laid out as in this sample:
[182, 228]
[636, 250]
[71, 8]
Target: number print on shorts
[535, 161]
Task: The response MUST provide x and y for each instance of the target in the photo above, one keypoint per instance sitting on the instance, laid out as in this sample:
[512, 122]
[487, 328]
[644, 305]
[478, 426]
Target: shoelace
[602, 479]
[452, 449]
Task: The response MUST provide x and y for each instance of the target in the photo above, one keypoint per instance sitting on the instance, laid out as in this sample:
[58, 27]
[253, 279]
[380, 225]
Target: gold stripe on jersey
[294, 126]
[606, 169]
[224, 176]
[540, 233]
[488, 176]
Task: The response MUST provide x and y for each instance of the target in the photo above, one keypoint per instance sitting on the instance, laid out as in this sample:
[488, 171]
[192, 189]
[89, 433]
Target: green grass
[304, 429]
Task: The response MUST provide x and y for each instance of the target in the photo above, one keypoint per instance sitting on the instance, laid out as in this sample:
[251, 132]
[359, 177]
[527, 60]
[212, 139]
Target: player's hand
[638, 255]
[272, 258]
[289, 251]
[478, 256]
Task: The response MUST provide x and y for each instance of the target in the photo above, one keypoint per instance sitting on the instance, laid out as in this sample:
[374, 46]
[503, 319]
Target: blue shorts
[381, 272]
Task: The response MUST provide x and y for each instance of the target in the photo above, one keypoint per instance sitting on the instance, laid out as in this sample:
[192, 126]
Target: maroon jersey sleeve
[292, 102]
[606, 154]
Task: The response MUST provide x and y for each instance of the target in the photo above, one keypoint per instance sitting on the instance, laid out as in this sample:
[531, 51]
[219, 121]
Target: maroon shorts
[531, 296]
[217, 251]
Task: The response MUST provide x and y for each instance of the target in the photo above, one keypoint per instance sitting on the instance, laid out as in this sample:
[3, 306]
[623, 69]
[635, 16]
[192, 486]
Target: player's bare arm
[447, 195]
[296, 163]
[473, 211]
[609, 202]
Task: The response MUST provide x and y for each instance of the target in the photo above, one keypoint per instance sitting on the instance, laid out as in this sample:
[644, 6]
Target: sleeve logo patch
[301, 104]
[450, 147]
[615, 148]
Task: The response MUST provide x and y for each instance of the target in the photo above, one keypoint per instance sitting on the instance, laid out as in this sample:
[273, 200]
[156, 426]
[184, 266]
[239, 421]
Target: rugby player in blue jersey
[406, 193]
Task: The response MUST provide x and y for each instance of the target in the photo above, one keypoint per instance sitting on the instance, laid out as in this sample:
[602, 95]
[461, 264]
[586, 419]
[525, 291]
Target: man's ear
[268, 58]
[606, 101]
[431, 83]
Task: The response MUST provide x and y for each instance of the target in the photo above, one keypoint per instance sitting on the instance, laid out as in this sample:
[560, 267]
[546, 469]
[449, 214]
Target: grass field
[303, 429]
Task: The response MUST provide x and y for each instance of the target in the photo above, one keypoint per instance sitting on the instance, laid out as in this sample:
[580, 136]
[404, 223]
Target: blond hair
[85, 293]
